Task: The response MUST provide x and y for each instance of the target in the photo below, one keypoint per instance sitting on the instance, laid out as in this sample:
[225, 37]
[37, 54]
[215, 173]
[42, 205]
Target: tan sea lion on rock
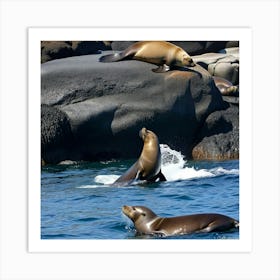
[147, 222]
[148, 166]
[161, 53]
[225, 86]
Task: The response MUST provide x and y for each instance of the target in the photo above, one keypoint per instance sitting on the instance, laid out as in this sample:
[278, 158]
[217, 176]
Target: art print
[140, 140]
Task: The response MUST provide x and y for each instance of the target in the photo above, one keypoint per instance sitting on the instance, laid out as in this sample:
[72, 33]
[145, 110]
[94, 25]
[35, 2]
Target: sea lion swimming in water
[148, 165]
[161, 53]
[147, 222]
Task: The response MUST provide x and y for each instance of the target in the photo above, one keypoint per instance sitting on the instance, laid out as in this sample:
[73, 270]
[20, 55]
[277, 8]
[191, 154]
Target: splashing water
[173, 167]
[101, 180]
[95, 212]
[169, 156]
[106, 179]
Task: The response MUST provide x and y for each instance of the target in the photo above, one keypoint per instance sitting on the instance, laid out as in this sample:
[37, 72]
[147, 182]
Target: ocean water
[78, 202]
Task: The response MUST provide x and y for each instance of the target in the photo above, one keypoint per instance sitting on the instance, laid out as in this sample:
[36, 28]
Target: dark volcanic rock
[219, 136]
[108, 103]
[200, 47]
[56, 135]
[60, 49]
[121, 45]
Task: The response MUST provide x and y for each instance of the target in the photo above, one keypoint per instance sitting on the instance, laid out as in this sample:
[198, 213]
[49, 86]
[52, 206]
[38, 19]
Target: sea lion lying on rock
[161, 53]
[226, 87]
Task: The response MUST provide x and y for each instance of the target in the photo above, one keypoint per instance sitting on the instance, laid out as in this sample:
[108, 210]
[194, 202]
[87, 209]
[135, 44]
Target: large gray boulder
[224, 64]
[108, 103]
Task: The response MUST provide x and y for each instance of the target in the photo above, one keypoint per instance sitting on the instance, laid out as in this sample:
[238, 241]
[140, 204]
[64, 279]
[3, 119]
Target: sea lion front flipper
[161, 69]
[137, 175]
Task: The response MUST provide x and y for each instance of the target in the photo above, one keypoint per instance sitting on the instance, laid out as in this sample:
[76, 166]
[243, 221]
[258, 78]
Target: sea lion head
[136, 213]
[187, 61]
[143, 133]
[147, 135]
[141, 216]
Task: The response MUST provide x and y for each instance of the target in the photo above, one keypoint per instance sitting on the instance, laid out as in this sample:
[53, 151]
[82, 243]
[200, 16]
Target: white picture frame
[258, 261]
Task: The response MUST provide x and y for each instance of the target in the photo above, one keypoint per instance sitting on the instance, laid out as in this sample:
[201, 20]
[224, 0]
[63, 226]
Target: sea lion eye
[143, 214]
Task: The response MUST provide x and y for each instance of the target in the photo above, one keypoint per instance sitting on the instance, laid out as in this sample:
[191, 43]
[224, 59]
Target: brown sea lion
[161, 53]
[148, 166]
[147, 222]
[225, 86]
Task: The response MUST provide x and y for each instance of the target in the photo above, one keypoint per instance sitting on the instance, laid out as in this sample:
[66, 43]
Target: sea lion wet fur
[148, 165]
[147, 222]
[161, 53]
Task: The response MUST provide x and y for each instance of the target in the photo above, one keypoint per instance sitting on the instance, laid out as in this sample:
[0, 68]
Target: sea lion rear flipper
[161, 69]
[124, 55]
[158, 178]
[221, 225]
[130, 175]
[161, 176]
[111, 57]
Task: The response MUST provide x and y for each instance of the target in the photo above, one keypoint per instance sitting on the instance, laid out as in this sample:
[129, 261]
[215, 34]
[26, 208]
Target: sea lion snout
[143, 133]
[130, 209]
[133, 212]
[187, 61]
[126, 209]
[138, 212]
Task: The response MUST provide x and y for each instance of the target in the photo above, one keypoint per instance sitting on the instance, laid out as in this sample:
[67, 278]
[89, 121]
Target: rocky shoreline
[93, 111]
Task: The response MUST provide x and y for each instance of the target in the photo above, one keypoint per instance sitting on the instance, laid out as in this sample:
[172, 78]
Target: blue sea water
[78, 202]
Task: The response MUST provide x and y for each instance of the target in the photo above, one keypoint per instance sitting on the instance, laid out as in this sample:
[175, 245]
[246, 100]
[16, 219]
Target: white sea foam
[220, 171]
[106, 179]
[88, 187]
[101, 181]
[173, 166]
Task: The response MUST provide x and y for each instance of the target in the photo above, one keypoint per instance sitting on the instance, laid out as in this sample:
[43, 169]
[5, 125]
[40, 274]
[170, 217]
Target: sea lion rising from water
[148, 165]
